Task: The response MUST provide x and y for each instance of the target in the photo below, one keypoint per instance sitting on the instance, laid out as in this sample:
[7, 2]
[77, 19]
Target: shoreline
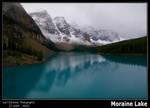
[16, 64]
[27, 63]
[126, 54]
[46, 60]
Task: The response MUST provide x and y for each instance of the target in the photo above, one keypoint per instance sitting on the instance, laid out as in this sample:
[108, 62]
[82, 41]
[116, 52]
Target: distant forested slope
[132, 46]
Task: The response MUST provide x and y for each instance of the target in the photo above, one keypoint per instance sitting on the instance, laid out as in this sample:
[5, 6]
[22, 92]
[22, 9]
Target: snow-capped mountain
[59, 30]
[100, 35]
[45, 23]
[106, 35]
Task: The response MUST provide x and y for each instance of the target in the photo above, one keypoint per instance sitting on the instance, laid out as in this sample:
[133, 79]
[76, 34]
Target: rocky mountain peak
[62, 25]
[60, 31]
[41, 14]
[59, 19]
[44, 21]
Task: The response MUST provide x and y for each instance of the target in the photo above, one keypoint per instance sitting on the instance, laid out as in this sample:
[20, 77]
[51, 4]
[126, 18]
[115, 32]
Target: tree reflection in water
[62, 69]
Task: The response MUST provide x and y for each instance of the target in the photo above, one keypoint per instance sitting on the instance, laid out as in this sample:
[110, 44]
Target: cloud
[128, 19]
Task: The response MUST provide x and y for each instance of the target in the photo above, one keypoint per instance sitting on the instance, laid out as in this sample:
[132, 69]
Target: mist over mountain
[60, 31]
[129, 20]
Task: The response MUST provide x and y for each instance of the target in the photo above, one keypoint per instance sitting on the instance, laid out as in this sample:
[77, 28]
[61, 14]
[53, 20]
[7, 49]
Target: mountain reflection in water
[78, 75]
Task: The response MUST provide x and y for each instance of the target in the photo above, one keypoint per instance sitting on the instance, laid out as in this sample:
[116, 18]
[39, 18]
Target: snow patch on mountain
[59, 31]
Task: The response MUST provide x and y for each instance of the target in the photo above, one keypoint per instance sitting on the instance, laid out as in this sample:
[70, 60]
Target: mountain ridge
[63, 32]
[22, 38]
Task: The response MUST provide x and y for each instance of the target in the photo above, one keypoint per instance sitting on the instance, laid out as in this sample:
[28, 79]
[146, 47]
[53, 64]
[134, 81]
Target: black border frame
[99, 102]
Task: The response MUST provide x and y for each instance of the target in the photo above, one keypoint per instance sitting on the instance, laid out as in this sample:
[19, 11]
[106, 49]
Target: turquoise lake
[78, 76]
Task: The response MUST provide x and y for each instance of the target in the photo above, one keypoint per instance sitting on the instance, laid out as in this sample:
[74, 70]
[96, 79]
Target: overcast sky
[128, 19]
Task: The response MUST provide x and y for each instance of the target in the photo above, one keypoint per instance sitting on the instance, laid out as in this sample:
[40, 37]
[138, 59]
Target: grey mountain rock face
[100, 34]
[60, 31]
[44, 21]
[21, 28]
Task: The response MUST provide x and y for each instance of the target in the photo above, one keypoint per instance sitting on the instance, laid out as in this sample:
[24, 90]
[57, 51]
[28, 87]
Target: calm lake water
[78, 76]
